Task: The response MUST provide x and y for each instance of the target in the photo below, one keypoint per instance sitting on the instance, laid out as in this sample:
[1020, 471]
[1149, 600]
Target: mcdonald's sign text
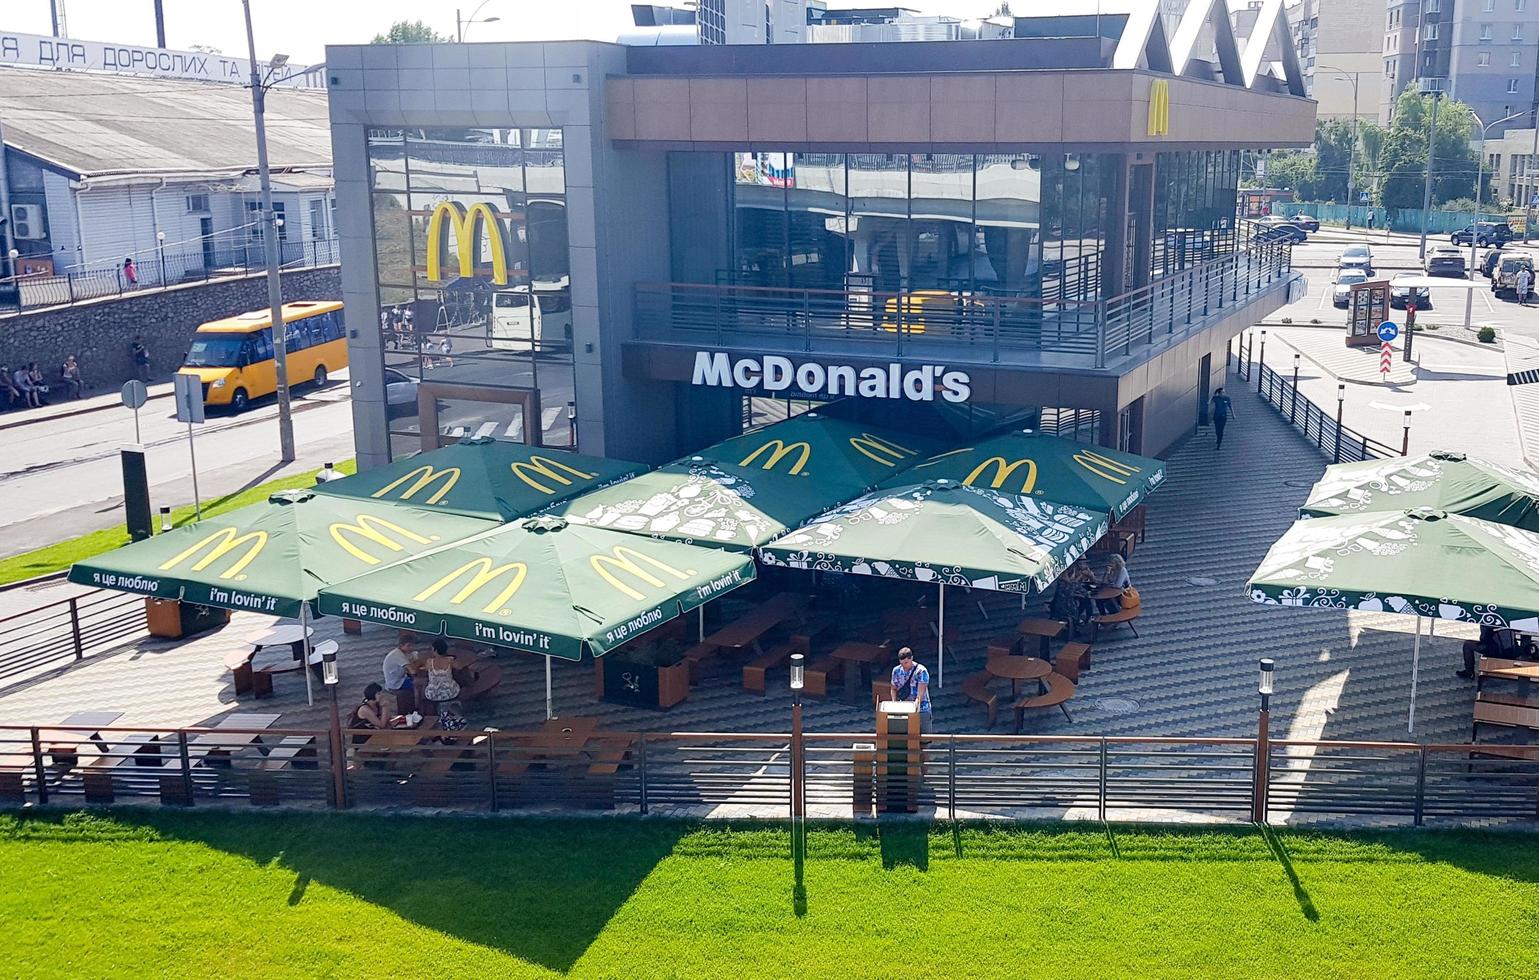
[773, 373]
[548, 470]
[1159, 107]
[467, 226]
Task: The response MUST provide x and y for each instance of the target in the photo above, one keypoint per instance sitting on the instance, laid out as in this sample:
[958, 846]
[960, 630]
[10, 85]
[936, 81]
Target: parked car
[400, 395]
[1308, 222]
[1401, 292]
[1487, 233]
[1506, 278]
[1445, 260]
[1341, 294]
[1489, 260]
[1275, 228]
[1356, 257]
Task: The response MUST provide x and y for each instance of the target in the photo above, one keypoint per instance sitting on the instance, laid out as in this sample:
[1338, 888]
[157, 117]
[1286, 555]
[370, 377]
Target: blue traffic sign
[1388, 332]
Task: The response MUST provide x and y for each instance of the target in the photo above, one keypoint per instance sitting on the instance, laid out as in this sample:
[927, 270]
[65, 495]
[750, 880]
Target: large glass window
[474, 283]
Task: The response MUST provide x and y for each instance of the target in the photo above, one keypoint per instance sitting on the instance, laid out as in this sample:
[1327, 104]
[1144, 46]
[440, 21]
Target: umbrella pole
[702, 623]
[1410, 718]
[304, 630]
[940, 639]
[549, 703]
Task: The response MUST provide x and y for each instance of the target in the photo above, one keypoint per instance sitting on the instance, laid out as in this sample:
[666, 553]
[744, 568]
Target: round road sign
[1388, 331]
[135, 394]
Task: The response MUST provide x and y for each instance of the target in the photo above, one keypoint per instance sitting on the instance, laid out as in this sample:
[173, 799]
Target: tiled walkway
[1192, 672]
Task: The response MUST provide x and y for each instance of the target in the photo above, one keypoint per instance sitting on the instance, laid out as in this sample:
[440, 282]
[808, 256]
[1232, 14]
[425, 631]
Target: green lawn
[61, 555]
[156, 893]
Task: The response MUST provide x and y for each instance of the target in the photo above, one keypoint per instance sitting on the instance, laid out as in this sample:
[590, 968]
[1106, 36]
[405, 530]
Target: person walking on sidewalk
[141, 356]
[1222, 409]
[1525, 283]
[1370, 219]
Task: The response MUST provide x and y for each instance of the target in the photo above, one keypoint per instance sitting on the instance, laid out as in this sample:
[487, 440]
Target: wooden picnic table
[1043, 629]
[859, 658]
[65, 746]
[1017, 669]
[747, 630]
[1501, 669]
[230, 735]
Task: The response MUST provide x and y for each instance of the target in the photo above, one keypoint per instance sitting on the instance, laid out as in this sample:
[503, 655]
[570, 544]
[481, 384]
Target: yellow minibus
[233, 357]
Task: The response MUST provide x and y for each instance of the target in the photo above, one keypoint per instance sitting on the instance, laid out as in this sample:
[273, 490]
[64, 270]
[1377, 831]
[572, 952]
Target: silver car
[1341, 295]
[1356, 257]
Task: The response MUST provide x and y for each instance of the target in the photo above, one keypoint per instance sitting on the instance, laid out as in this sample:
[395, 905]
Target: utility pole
[1531, 171]
[269, 227]
[1351, 150]
[1426, 199]
[56, 11]
[160, 23]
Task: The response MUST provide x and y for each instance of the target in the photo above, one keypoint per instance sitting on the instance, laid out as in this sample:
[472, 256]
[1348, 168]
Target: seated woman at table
[371, 712]
[1116, 577]
[1071, 597]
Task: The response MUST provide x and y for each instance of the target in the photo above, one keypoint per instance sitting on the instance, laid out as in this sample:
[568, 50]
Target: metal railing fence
[220, 260]
[751, 774]
[69, 630]
[1336, 441]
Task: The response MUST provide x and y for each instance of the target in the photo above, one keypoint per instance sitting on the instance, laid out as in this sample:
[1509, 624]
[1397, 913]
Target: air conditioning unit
[27, 221]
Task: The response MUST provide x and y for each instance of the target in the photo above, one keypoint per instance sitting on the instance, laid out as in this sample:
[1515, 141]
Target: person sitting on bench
[1493, 642]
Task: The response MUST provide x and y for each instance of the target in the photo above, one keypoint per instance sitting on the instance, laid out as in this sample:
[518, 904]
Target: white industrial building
[96, 168]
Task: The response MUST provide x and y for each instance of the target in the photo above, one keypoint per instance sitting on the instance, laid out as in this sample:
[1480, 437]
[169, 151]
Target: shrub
[1287, 319]
[1315, 321]
[1486, 335]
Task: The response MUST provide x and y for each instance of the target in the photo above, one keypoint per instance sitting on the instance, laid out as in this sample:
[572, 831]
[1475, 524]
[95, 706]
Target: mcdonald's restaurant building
[639, 251]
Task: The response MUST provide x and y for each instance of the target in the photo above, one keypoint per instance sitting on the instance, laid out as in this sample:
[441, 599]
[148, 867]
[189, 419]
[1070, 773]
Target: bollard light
[160, 236]
[1264, 688]
[329, 667]
[165, 519]
[328, 473]
[797, 671]
[571, 411]
[1341, 392]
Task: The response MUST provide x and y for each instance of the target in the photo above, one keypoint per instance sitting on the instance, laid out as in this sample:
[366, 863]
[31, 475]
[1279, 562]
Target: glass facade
[470, 240]
[1011, 224]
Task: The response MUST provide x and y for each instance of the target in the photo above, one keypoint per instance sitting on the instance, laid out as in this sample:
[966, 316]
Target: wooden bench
[976, 688]
[1491, 710]
[817, 674]
[486, 681]
[239, 665]
[756, 671]
[1122, 617]
[1059, 690]
[1072, 660]
[696, 655]
[1004, 646]
[297, 751]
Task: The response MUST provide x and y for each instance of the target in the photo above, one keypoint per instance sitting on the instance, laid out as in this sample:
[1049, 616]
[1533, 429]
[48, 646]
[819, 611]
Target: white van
[544, 325]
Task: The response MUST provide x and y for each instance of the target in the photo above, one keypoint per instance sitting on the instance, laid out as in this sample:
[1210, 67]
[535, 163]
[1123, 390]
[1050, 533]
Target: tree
[1333, 155]
[411, 32]
[1292, 170]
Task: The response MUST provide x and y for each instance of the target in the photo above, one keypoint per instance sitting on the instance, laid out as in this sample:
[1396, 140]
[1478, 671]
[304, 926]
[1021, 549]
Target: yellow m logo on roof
[1159, 107]
[222, 541]
[778, 449]
[630, 561]
[367, 527]
[1002, 471]
[481, 573]
[421, 478]
[467, 226]
[546, 468]
[1104, 466]
[883, 451]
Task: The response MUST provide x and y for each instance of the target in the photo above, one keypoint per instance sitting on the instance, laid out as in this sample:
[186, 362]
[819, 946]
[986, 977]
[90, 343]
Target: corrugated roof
[100, 124]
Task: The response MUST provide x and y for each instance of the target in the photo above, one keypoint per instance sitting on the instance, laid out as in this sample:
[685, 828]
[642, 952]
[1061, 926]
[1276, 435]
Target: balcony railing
[957, 323]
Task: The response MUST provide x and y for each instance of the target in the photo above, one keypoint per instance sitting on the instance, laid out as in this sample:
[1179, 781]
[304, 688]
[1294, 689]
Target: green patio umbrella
[484, 477]
[273, 557]
[699, 502]
[1443, 480]
[544, 586]
[1049, 468]
[944, 533]
[839, 455]
[1419, 562]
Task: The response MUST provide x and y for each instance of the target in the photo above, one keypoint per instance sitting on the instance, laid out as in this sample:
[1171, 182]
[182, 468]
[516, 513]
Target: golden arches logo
[1105, 467]
[221, 542]
[545, 468]
[778, 449]
[1002, 471]
[423, 477]
[883, 451]
[367, 527]
[467, 226]
[1159, 107]
[481, 573]
[630, 561]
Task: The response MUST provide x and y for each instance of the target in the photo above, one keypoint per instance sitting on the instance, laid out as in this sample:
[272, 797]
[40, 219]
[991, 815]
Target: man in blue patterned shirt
[911, 682]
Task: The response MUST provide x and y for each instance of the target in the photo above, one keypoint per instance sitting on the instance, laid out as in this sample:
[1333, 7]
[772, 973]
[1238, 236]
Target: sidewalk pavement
[1522, 354]
[1354, 365]
[78, 406]
[1459, 400]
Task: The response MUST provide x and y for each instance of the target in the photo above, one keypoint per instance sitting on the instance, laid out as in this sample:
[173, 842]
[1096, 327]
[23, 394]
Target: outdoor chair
[816, 676]
[1072, 660]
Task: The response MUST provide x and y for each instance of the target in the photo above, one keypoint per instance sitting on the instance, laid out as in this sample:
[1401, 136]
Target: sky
[302, 28]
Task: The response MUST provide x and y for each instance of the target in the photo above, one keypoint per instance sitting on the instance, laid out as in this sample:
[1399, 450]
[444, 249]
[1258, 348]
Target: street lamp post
[1263, 744]
[461, 23]
[1293, 404]
[1480, 186]
[1261, 360]
[160, 243]
[1341, 400]
[329, 678]
[1426, 197]
[1354, 76]
[798, 800]
[270, 244]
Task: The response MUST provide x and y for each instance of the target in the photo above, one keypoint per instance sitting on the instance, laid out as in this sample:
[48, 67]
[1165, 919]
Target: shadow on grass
[1300, 893]
[538, 890]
